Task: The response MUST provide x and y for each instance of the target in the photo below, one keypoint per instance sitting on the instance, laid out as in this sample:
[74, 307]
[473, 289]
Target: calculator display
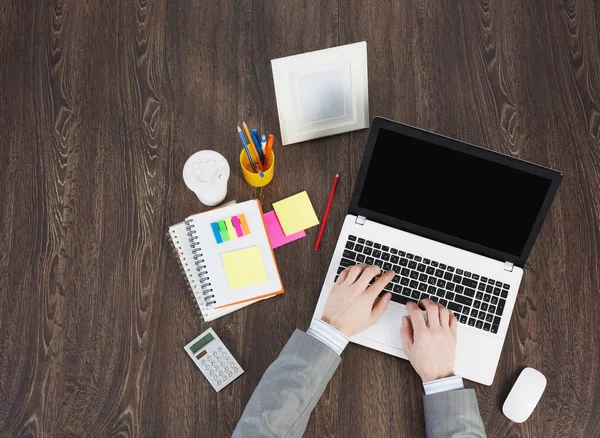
[201, 343]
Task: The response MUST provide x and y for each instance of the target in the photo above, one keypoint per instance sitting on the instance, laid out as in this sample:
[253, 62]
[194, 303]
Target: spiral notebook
[187, 262]
[227, 259]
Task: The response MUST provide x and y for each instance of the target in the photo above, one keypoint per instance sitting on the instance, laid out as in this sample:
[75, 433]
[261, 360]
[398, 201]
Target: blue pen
[256, 140]
[248, 152]
[263, 143]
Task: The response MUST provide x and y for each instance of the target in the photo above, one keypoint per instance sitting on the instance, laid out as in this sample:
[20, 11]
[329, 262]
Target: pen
[326, 214]
[256, 139]
[250, 141]
[263, 143]
[269, 146]
[250, 159]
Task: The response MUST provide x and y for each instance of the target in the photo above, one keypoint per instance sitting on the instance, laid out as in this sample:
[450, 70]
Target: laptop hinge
[360, 220]
[508, 266]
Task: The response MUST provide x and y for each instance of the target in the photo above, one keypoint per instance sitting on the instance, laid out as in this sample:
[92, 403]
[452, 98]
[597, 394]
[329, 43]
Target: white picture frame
[322, 93]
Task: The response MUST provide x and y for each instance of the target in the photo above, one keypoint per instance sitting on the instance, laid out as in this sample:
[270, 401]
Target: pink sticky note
[276, 235]
[238, 227]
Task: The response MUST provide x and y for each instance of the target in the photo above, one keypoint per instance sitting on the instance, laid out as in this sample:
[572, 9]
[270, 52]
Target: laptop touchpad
[387, 329]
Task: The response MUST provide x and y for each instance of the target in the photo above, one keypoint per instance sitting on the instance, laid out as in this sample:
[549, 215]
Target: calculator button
[218, 382]
[229, 374]
[235, 370]
[220, 348]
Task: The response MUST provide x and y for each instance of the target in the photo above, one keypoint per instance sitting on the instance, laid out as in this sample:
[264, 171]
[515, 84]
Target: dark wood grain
[102, 103]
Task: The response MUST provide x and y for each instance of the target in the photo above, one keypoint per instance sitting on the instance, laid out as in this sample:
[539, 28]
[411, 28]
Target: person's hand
[352, 305]
[431, 346]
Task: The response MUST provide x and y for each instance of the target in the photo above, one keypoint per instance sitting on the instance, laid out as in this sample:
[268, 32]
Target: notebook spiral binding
[174, 249]
[197, 256]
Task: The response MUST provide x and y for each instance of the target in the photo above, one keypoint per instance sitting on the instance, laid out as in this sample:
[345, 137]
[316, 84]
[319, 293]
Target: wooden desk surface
[100, 106]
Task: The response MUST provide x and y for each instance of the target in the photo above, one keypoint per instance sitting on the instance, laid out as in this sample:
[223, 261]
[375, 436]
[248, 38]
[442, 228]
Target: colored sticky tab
[244, 224]
[244, 267]
[296, 213]
[238, 227]
[230, 229]
[216, 232]
[224, 232]
[275, 232]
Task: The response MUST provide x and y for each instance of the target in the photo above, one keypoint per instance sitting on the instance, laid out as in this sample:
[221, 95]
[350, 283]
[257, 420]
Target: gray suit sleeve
[289, 390]
[453, 414]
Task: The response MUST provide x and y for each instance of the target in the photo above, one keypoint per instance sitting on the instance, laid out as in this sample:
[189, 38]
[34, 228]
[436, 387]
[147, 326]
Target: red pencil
[329, 201]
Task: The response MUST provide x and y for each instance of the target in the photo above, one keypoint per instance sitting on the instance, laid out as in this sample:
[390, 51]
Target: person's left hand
[352, 305]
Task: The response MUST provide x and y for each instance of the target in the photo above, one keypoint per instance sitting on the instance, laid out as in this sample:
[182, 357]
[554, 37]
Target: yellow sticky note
[295, 213]
[244, 267]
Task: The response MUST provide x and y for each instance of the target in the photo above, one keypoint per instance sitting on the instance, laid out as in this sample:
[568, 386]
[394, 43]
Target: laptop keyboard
[475, 300]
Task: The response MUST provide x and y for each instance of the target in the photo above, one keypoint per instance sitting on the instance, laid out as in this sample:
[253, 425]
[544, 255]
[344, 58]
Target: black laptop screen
[452, 192]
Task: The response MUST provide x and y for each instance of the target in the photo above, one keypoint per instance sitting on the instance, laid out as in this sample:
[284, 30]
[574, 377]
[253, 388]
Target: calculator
[214, 359]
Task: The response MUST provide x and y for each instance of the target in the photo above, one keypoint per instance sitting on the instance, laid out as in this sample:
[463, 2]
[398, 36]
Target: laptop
[456, 222]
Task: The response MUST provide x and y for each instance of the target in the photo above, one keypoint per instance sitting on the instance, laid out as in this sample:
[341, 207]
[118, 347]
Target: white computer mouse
[524, 395]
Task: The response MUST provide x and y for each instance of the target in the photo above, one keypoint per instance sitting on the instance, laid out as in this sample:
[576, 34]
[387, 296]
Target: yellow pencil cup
[254, 179]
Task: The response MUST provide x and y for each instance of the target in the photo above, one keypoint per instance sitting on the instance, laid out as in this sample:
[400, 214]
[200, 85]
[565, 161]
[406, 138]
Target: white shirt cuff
[442, 385]
[327, 335]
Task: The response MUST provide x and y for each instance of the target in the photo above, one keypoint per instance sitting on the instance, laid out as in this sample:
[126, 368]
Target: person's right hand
[353, 305]
[430, 346]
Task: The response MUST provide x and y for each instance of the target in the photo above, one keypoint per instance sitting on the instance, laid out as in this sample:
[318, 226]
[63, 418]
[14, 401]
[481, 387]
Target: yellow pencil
[252, 148]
